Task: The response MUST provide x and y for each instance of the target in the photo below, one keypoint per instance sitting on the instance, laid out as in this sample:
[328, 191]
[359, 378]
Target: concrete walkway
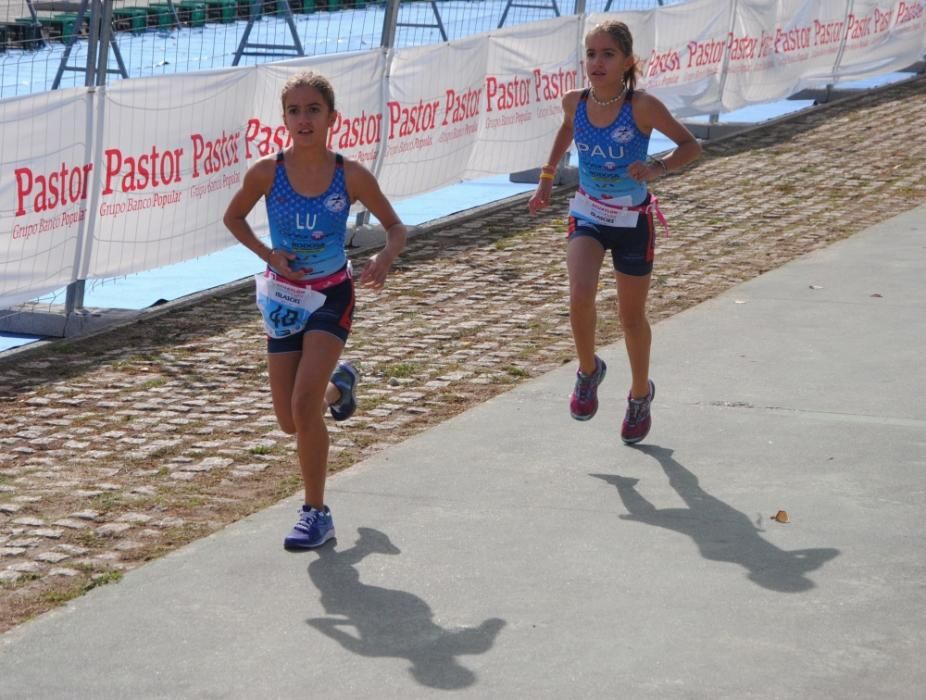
[514, 553]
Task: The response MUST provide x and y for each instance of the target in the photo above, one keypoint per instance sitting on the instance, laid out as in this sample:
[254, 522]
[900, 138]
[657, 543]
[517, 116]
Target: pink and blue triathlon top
[313, 228]
[605, 153]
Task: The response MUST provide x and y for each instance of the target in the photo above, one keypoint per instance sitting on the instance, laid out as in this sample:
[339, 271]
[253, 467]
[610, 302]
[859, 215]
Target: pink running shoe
[583, 404]
[637, 420]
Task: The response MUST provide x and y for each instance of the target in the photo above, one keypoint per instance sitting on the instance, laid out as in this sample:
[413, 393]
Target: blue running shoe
[345, 378]
[315, 527]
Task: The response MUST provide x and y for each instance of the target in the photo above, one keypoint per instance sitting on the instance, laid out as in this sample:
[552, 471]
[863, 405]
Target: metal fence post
[387, 41]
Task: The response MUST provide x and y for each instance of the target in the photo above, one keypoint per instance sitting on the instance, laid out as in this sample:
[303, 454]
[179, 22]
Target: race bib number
[610, 214]
[285, 307]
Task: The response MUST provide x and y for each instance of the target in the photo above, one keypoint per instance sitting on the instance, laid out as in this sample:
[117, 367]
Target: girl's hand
[541, 197]
[279, 260]
[375, 271]
[644, 172]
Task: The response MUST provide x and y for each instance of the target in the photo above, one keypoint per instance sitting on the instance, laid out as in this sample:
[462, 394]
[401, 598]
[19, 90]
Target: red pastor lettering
[553, 86]
[351, 132]
[461, 106]
[264, 139]
[509, 94]
[151, 169]
[412, 120]
[66, 185]
[213, 155]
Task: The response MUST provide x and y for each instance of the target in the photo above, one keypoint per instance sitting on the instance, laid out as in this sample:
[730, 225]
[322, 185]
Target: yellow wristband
[546, 176]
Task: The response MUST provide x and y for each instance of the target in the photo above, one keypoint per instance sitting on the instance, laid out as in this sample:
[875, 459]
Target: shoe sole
[289, 547]
[604, 371]
[583, 418]
[352, 371]
[634, 441]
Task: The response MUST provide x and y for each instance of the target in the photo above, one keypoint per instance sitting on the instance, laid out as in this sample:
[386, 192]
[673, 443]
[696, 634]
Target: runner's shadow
[721, 532]
[382, 622]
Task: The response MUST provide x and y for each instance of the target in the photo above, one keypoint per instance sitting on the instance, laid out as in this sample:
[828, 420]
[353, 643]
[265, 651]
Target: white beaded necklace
[605, 103]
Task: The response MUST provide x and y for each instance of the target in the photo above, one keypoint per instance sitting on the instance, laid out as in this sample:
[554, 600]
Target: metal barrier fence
[47, 44]
[93, 48]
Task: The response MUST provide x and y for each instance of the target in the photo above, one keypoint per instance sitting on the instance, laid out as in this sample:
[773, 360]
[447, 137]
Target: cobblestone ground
[123, 446]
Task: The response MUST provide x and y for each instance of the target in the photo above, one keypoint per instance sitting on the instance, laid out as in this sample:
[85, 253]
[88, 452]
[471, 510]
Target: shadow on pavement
[721, 532]
[380, 622]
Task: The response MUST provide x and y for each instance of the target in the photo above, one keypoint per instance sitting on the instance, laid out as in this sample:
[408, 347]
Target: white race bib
[285, 307]
[598, 212]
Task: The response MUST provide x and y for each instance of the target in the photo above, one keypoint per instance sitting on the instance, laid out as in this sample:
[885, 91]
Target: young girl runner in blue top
[611, 123]
[306, 295]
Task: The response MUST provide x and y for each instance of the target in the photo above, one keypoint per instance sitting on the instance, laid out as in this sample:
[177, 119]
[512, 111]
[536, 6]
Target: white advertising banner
[170, 156]
[682, 51]
[712, 56]
[781, 55]
[530, 68]
[46, 174]
[431, 117]
[882, 37]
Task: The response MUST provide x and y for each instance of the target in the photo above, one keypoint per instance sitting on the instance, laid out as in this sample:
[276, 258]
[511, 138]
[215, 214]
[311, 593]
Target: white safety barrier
[136, 175]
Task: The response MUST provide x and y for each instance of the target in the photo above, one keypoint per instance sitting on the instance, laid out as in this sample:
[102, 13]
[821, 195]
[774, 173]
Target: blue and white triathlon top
[313, 228]
[605, 153]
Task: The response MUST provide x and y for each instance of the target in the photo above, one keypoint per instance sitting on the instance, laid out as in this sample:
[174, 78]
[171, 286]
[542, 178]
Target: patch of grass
[368, 403]
[505, 243]
[124, 364]
[287, 486]
[58, 597]
[25, 578]
[86, 568]
[191, 502]
[89, 539]
[62, 349]
[261, 450]
[785, 187]
[528, 352]
[511, 241]
[152, 383]
[504, 378]
[164, 452]
[103, 579]
[415, 293]
[517, 371]
[462, 333]
[107, 501]
[22, 580]
[400, 370]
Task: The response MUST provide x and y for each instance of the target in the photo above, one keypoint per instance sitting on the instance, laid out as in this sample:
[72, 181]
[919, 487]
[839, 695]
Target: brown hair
[309, 79]
[620, 33]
